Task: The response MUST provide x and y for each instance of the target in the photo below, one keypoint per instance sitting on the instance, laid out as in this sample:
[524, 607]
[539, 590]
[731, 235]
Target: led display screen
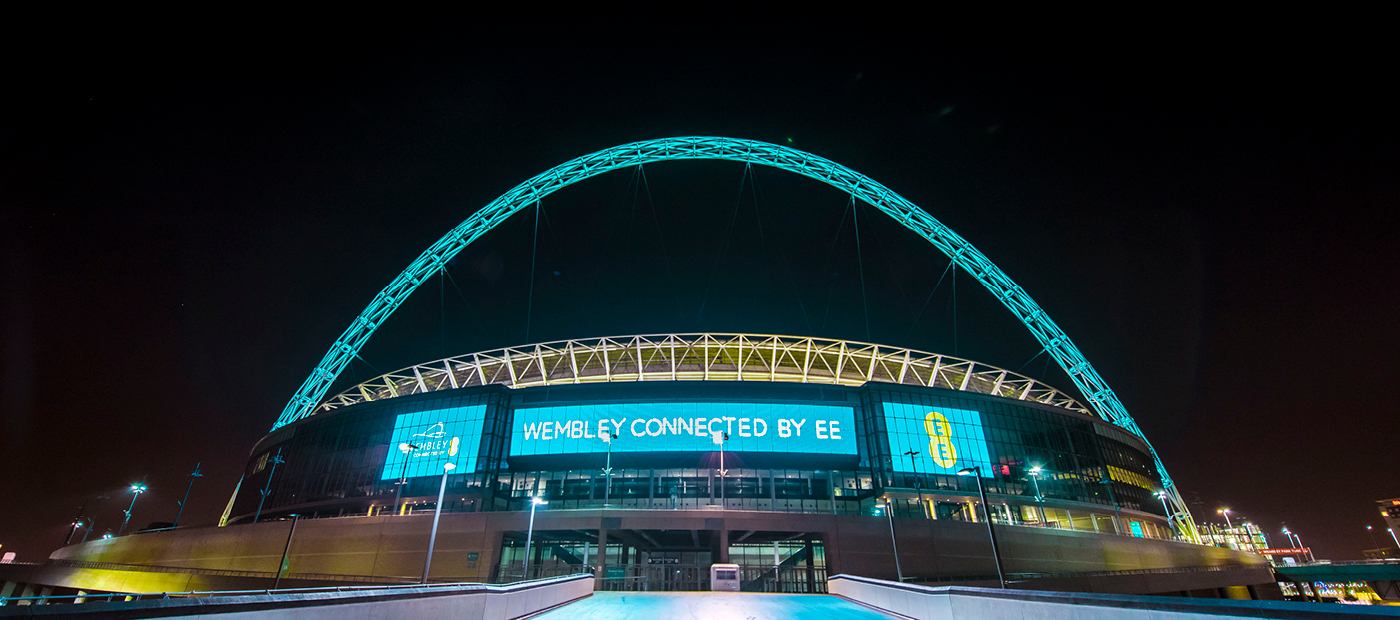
[946, 439]
[441, 436]
[684, 427]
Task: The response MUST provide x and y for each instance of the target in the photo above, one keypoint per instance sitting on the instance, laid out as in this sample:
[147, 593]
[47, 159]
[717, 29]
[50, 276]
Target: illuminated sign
[947, 440]
[424, 441]
[684, 427]
[1291, 551]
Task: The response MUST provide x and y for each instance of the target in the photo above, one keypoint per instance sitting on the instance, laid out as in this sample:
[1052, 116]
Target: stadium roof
[703, 357]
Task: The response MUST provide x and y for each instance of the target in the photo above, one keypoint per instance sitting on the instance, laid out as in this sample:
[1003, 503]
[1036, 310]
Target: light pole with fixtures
[1117, 521]
[285, 565]
[1229, 529]
[889, 512]
[276, 460]
[437, 512]
[530, 535]
[976, 473]
[1372, 534]
[407, 449]
[720, 437]
[136, 490]
[1162, 495]
[608, 438]
[193, 475]
[1039, 499]
[918, 480]
[1392, 536]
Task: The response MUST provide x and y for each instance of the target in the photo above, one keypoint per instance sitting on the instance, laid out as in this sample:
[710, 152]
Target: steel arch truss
[703, 357]
[1100, 397]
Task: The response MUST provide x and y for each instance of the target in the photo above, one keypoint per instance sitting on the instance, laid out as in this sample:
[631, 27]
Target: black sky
[187, 222]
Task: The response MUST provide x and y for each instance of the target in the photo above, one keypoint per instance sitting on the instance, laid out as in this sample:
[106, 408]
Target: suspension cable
[723, 246]
[830, 256]
[927, 300]
[661, 239]
[787, 266]
[860, 262]
[534, 253]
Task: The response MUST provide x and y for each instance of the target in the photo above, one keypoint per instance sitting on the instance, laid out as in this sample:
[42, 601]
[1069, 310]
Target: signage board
[947, 440]
[424, 441]
[1287, 551]
[684, 427]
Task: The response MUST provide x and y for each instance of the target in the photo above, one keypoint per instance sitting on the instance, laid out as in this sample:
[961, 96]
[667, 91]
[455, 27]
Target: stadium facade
[645, 459]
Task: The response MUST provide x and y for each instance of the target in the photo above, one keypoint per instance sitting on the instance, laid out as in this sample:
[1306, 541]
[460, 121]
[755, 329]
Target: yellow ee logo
[940, 439]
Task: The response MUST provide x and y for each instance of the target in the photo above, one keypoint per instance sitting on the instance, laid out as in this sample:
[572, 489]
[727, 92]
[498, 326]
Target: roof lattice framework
[703, 357]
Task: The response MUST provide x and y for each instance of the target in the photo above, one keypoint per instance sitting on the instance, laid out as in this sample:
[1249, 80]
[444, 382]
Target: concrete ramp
[711, 606]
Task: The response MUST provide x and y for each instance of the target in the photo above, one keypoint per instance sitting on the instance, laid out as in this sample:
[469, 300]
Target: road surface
[711, 606]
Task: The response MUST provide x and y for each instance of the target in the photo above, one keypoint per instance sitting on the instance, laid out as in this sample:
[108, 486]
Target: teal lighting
[1101, 397]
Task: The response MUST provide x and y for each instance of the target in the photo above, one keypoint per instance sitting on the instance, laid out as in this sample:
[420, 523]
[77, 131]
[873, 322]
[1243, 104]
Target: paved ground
[711, 606]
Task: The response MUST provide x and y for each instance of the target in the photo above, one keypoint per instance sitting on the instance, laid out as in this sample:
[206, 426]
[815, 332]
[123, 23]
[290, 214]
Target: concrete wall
[390, 546]
[469, 602]
[962, 603]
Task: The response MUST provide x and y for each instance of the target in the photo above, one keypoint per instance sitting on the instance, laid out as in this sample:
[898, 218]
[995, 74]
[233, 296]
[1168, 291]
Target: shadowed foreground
[711, 606]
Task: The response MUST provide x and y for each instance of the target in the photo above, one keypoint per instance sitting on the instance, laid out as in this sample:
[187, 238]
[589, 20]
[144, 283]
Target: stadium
[645, 459]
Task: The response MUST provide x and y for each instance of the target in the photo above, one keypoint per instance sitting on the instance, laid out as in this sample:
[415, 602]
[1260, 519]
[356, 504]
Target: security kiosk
[724, 577]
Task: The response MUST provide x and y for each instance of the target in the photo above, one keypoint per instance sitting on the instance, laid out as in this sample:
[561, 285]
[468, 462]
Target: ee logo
[940, 439]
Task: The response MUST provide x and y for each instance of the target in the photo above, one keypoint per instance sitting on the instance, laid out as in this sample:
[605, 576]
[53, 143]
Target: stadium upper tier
[703, 357]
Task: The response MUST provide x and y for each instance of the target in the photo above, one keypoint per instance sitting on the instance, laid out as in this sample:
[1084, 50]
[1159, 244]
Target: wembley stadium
[646, 459]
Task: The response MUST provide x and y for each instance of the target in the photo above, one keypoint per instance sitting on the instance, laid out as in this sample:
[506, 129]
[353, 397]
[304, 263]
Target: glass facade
[878, 445]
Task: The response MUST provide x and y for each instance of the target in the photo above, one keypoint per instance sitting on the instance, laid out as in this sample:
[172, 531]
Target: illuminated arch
[1100, 397]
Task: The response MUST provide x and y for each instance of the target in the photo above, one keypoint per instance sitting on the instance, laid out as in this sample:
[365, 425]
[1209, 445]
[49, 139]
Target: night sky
[188, 222]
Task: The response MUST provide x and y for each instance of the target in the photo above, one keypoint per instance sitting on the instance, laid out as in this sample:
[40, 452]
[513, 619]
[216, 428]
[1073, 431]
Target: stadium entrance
[669, 560]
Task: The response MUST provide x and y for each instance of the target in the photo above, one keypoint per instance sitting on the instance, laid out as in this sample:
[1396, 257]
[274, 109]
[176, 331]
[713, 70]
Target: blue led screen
[684, 427]
[946, 439]
[441, 435]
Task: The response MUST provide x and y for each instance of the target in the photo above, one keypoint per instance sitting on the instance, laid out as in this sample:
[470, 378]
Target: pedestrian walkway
[711, 606]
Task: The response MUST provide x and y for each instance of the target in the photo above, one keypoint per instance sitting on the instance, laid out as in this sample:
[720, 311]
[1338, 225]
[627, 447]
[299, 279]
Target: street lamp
[889, 512]
[1039, 499]
[432, 538]
[530, 535]
[1162, 495]
[193, 475]
[284, 566]
[136, 490]
[720, 437]
[976, 472]
[918, 480]
[1372, 534]
[1229, 529]
[267, 489]
[1117, 521]
[608, 438]
[407, 449]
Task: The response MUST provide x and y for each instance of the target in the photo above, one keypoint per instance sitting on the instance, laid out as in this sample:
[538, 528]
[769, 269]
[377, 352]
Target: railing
[228, 573]
[117, 596]
[1010, 577]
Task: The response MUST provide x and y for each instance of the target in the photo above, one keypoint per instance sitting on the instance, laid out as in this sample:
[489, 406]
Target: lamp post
[607, 438]
[918, 480]
[1229, 529]
[193, 475]
[77, 523]
[1372, 534]
[1162, 495]
[1300, 546]
[976, 472]
[136, 490]
[1392, 536]
[267, 489]
[720, 437]
[432, 538]
[1039, 499]
[1117, 521]
[285, 564]
[889, 512]
[407, 449]
[530, 535]
[93, 519]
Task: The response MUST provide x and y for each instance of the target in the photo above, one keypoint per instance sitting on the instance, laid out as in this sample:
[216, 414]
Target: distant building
[1243, 537]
